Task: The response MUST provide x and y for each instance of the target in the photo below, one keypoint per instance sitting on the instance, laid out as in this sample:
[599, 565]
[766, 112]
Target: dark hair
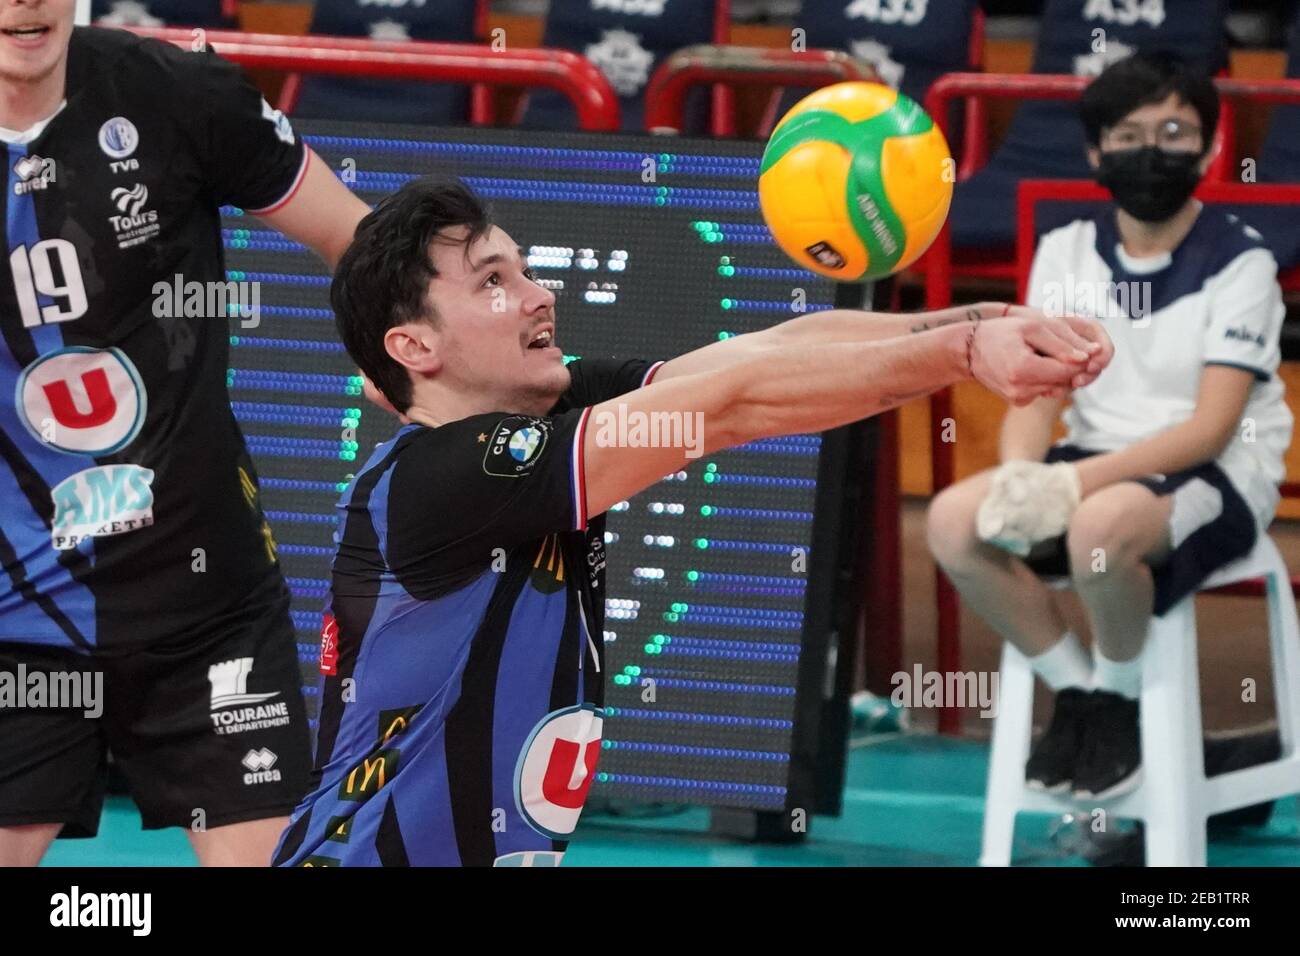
[1141, 80]
[383, 278]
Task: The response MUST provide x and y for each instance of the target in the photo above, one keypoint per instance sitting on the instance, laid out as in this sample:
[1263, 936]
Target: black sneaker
[1110, 760]
[1051, 763]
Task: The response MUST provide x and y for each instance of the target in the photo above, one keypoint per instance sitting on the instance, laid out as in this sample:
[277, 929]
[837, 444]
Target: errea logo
[259, 764]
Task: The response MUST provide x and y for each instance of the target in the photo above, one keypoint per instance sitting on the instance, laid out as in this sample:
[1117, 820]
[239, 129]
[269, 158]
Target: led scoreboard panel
[653, 247]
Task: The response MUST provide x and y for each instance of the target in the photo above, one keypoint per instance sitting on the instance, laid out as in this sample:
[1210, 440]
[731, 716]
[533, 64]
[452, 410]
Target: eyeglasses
[1174, 135]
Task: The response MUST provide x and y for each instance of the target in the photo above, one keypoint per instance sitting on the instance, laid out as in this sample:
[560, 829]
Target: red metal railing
[724, 97]
[467, 63]
[695, 65]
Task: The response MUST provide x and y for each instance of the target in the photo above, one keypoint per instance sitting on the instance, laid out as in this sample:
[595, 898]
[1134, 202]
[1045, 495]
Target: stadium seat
[391, 101]
[162, 13]
[627, 39]
[909, 50]
[1046, 139]
[1279, 162]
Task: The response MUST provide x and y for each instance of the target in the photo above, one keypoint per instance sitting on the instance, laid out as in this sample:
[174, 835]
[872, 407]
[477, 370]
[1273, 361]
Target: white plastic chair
[1174, 798]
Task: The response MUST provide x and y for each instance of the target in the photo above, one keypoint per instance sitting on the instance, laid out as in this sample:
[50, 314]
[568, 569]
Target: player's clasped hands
[1028, 355]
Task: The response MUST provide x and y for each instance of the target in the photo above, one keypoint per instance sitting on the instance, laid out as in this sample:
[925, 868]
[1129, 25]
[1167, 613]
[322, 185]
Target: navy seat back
[1280, 157]
[627, 40]
[159, 13]
[1279, 162]
[911, 43]
[337, 97]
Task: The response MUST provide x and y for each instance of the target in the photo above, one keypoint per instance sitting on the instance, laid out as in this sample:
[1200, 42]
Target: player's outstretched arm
[848, 326]
[811, 389]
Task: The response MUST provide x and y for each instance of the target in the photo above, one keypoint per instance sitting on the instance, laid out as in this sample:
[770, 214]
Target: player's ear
[416, 346]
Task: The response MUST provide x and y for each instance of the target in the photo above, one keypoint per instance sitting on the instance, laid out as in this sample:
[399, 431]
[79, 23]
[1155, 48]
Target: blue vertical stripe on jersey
[25, 529]
[523, 691]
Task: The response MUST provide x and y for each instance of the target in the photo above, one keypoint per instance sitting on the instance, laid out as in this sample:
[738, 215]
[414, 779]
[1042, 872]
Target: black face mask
[1150, 184]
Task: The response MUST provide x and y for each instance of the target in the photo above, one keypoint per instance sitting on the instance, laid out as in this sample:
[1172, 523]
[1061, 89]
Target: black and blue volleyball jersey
[462, 652]
[130, 503]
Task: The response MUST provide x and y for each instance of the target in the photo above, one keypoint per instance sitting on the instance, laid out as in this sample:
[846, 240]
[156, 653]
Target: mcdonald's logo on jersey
[82, 401]
[556, 769]
[369, 776]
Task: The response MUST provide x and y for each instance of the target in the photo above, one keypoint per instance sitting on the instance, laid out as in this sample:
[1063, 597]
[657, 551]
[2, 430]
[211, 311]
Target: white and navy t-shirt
[1214, 300]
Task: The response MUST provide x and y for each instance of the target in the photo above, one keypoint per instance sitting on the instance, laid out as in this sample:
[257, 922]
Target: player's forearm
[811, 388]
[837, 326]
[1184, 446]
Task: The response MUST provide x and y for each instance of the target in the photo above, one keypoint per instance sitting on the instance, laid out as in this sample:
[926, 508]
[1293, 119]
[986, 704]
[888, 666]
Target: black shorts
[208, 729]
[1211, 526]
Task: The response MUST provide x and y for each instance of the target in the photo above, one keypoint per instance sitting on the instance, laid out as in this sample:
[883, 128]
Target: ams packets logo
[101, 501]
[233, 709]
[556, 769]
[516, 446]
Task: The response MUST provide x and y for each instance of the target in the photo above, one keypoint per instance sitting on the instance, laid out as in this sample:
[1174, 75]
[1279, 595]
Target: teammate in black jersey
[119, 455]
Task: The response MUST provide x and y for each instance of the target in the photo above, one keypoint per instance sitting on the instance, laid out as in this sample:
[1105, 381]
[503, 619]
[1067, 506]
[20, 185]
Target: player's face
[494, 323]
[34, 37]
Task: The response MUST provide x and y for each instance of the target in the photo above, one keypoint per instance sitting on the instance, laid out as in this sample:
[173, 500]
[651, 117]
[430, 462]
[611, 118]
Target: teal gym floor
[910, 800]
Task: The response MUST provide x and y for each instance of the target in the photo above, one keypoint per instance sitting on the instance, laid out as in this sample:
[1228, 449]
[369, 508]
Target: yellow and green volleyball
[856, 181]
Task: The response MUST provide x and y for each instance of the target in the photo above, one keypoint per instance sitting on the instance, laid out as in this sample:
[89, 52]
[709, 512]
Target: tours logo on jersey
[556, 769]
[82, 400]
[33, 172]
[118, 137]
[135, 224]
[260, 765]
[516, 446]
[99, 502]
[233, 709]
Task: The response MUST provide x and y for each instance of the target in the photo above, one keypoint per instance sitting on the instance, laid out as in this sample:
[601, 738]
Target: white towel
[1028, 502]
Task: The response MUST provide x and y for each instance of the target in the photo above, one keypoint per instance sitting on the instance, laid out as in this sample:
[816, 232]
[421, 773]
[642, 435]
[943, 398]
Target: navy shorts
[207, 728]
[1211, 526]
